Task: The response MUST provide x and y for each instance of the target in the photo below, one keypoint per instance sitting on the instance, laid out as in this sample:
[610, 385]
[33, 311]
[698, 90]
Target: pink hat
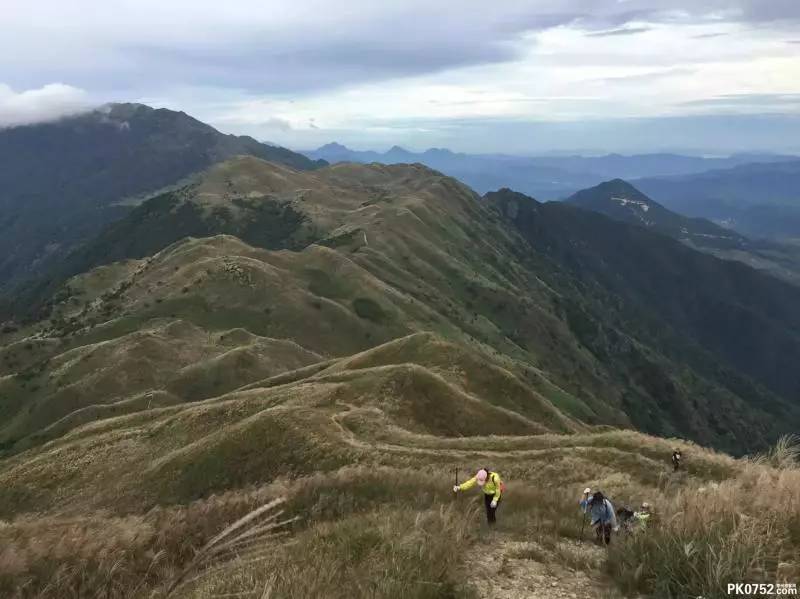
[481, 477]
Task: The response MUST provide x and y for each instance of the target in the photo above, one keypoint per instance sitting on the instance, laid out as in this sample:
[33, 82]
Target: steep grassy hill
[364, 450]
[354, 338]
[61, 182]
[589, 314]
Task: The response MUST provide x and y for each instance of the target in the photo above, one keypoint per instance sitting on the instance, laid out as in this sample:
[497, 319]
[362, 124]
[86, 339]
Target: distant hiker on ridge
[492, 486]
[601, 515]
[676, 460]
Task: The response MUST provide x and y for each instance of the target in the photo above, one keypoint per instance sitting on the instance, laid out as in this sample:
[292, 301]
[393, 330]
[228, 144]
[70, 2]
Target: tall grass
[347, 527]
[746, 529]
[364, 532]
[102, 556]
[251, 536]
[392, 553]
[785, 453]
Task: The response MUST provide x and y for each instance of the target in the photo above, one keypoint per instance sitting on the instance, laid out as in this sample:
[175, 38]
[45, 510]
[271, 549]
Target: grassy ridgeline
[390, 532]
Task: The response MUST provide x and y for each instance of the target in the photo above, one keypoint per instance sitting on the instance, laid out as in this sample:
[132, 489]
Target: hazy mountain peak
[621, 201]
[333, 146]
[619, 186]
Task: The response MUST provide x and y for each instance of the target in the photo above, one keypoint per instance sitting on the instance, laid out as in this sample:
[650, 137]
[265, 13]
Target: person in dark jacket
[676, 460]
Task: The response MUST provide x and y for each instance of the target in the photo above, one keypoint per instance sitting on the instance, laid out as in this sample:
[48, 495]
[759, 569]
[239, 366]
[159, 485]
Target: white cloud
[560, 75]
[47, 103]
[295, 71]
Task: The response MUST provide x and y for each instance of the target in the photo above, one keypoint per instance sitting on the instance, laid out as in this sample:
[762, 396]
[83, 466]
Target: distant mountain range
[543, 177]
[759, 200]
[61, 182]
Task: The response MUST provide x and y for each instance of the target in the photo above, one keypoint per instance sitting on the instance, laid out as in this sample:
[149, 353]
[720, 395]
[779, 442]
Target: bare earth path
[503, 568]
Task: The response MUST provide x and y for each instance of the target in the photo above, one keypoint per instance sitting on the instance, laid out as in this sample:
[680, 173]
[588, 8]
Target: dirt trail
[502, 568]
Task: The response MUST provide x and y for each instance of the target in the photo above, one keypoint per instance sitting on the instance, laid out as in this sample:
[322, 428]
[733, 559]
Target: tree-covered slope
[695, 330]
[621, 201]
[61, 182]
[758, 200]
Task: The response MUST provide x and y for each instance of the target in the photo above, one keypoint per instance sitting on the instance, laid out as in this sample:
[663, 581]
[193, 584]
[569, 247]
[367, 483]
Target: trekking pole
[456, 479]
[583, 525]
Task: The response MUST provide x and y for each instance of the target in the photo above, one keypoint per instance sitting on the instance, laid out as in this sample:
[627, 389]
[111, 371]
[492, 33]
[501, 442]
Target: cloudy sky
[519, 76]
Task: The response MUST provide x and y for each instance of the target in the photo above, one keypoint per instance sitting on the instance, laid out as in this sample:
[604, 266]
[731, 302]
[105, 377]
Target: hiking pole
[455, 484]
[583, 515]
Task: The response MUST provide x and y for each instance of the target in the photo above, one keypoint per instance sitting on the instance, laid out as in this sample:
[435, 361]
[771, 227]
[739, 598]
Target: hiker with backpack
[676, 460]
[634, 521]
[642, 516]
[601, 514]
[492, 486]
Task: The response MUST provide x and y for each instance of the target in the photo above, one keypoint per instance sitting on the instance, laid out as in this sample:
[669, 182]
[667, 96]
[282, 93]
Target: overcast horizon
[590, 76]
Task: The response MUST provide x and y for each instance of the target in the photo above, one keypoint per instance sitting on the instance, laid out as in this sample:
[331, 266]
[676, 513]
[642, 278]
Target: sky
[513, 76]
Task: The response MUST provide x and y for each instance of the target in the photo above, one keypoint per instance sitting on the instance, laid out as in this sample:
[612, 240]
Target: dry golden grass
[399, 552]
[104, 556]
[228, 542]
[743, 529]
[377, 531]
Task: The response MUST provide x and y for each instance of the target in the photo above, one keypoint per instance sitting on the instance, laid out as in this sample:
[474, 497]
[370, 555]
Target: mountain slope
[80, 172]
[621, 201]
[482, 172]
[373, 253]
[683, 305]
[335, 380]
[760, 200]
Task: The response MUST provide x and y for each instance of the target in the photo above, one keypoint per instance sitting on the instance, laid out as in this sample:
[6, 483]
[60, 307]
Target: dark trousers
[603, 532]
[490, 511]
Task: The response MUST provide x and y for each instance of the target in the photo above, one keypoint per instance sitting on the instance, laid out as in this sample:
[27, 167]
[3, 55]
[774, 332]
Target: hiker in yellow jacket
[492, 486]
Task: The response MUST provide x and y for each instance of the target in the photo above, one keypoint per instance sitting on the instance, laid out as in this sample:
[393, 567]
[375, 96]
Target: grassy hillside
[588, 314]
[85, 171]
[351, 340]
[364, 453]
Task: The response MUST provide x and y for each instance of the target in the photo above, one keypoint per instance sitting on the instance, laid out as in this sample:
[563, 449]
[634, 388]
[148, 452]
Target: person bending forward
[492, 486]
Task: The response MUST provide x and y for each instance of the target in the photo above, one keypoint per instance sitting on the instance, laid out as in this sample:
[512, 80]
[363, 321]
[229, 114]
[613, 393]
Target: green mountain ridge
[344, 258]
[85, 171]
[621, 201]
[759, 200]
[330, 349]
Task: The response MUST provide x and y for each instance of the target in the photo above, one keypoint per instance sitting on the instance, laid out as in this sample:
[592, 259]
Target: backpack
[502, 484]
